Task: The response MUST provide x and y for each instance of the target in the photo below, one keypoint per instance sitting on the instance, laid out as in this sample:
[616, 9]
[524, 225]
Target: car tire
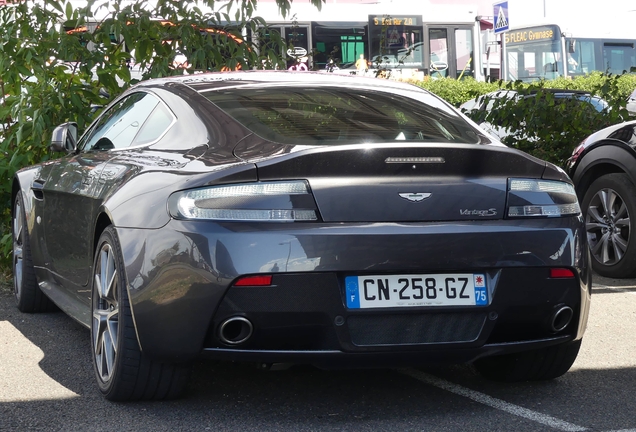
[28, 295]
[609, 210]
[123, 372]
[536, 365]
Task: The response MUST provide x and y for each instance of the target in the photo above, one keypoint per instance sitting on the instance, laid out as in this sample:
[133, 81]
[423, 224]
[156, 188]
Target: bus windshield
[534, 53]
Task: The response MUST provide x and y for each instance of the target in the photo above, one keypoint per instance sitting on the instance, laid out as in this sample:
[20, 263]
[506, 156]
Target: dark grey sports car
[299, 218]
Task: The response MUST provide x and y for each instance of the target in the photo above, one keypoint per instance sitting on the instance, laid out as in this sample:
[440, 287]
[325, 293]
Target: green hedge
[457, 92]
[544, 126]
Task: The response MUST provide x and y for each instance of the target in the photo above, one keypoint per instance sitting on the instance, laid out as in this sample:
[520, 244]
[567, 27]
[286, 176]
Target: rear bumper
[303, 318]
[335, 359]
[180, 285]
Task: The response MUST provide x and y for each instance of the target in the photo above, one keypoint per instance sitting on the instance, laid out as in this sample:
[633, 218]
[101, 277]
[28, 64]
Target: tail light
[541, 198]
[576, 154]
[284, 201]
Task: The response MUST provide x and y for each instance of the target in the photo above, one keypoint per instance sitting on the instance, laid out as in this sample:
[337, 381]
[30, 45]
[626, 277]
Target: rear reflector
[254, 281]
[561, 273]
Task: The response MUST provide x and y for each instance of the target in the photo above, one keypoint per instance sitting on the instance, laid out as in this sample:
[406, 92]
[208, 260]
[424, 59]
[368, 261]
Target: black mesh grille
[415, 329]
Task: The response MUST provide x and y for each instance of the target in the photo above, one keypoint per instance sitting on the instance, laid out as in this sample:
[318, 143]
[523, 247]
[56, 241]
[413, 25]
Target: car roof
[218, 80]
[604, 133]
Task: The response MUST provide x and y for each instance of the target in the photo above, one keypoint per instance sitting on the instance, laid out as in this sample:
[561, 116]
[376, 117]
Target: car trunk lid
[410, 183]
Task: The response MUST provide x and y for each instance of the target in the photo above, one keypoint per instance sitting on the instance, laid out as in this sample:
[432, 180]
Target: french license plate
[383, 291]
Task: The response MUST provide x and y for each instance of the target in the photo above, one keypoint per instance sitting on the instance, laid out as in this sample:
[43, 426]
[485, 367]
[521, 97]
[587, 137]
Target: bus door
[339, 42]
[450, 51]
[298, 46]
[298, 39]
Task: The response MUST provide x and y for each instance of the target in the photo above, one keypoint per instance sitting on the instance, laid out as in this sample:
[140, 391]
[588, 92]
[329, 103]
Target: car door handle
[38, 188]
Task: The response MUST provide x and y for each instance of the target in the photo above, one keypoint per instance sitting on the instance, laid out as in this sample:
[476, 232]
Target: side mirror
[571, 46]
[64, 138]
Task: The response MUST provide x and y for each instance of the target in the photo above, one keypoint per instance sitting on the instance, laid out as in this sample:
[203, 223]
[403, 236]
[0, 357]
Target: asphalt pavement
[46, 383]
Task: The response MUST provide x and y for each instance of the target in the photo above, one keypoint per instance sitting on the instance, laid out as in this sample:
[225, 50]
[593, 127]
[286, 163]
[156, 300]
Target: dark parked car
[603, 168]
[485, 103]
[299, 218]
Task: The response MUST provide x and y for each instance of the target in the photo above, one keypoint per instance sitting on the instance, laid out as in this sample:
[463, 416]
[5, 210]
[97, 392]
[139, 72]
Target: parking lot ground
[46, 383]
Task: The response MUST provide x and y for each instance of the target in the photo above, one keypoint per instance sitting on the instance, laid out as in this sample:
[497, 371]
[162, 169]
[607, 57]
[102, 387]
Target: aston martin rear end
[306, 218]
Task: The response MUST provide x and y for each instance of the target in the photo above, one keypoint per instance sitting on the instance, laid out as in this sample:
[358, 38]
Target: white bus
[432, 39]
[550, 51]
[406, 37]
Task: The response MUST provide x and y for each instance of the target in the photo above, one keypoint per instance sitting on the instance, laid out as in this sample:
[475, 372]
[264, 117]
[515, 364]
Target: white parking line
[493, 402]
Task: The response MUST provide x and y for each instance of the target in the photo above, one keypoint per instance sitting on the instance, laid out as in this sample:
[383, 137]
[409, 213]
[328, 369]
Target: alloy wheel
[105, 313]
[607, 225]
[18, 256]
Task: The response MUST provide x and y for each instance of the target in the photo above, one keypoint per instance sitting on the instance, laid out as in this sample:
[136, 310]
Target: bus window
[551, 62]
[534, 53]
[536, 61]
[396, 41]
[513, 66]
[464, 52]
[581, 56]
[587, 61]
[411, 57]
[438, 40]
[618, 57]
[588, 55]
[342, 42]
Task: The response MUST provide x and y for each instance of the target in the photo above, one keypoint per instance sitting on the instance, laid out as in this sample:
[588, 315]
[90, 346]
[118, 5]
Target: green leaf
[55, 4]
[23, 70]
[77, 102]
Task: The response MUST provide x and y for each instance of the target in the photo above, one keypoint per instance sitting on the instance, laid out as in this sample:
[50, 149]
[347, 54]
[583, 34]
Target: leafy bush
[456, 92]
[623, 85]
[49, 75]
[549, 127]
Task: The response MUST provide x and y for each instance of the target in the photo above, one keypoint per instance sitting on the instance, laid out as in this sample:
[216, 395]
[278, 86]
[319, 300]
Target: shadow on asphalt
[231, 396]
[603, 285]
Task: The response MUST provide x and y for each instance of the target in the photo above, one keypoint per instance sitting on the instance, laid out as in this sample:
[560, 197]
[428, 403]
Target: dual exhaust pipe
[235, 330]
[561, 318]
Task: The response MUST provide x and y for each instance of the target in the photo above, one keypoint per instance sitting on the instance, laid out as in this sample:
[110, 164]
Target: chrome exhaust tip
[235, 330]
[561, 318]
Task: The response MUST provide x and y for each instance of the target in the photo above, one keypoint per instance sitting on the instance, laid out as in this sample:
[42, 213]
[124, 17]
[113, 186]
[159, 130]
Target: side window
[118, 127]
[158, 122]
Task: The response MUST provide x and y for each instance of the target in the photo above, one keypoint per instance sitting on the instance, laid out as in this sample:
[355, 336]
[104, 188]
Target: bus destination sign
[532, 34]
[388, 20]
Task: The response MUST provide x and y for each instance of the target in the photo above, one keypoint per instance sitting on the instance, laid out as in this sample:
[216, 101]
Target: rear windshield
[323, 115]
